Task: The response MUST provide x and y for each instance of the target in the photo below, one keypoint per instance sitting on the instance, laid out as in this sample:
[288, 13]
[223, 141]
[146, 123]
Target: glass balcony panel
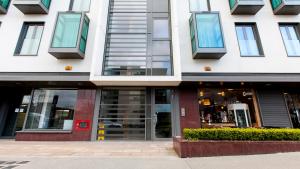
[209, 31]
[66, 31]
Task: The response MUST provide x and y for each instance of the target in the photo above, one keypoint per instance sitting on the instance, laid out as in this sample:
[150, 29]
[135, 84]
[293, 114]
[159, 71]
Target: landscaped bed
[235, 141]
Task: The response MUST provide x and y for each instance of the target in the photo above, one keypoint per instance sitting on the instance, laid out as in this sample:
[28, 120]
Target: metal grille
[129, 40]
[124, 115]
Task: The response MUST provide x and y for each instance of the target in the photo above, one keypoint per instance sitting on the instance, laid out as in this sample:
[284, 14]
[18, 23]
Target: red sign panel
[82, 124]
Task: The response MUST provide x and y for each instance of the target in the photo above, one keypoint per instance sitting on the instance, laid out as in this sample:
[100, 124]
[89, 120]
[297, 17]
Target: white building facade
[146, 69]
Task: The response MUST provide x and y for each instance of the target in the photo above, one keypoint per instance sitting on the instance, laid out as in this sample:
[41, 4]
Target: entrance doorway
[13, 108]
[162, 114]
[135, 114]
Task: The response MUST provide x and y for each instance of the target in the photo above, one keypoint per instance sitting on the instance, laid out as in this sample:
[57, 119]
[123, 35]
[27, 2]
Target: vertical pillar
[188, 102]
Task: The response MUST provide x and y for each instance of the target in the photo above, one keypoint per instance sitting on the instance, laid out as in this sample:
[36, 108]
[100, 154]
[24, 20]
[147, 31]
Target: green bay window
[70, 36]
[4, 6]
[51, 110]
[206, 36]
[33, 6]
[286, 7]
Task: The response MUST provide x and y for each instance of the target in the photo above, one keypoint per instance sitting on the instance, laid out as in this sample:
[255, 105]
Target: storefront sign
[247, 93]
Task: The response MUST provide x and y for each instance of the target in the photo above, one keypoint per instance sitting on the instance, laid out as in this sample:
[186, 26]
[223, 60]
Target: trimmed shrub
[247, 134]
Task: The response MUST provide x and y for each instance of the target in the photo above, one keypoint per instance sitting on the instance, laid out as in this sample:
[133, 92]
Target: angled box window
[248, 39]
[80, 5]
[4, 4]
[290, 35]
[199, 5]
[70, 36]
[245, 7]
[286, 7]
[30, 38]
[51, 110]
[33, 6]
[206, 36]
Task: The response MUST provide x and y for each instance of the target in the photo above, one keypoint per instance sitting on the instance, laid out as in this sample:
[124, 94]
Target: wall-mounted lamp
[68, 68]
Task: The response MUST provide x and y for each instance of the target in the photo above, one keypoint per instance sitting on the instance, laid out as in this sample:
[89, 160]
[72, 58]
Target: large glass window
[199, 5]
[52, 109]
[30, 39]
[226, 108]
[248, 40]
[209, 30]
[67, 30]
[290, 35]
[80, 5]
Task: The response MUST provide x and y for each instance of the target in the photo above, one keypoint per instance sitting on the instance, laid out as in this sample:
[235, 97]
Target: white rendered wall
[275, 60]
[11, 25]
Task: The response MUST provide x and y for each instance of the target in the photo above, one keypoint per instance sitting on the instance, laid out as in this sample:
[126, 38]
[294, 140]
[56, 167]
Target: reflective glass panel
[32, 38]
[160, 28]
[198, 5]
[291, 39]
[209, 31]
[52, 109]
[247, 40]
[67, 30]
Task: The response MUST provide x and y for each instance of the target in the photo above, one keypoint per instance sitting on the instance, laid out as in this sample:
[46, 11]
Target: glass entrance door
[162, 114]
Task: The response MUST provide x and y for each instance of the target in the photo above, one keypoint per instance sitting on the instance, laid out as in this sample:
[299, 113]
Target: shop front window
[51, 109]
[226, 108]
[293, 104]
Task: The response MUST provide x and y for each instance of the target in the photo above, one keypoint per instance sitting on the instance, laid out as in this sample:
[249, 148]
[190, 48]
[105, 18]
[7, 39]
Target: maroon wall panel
[207, 148]
[188, 99]
[84, 110]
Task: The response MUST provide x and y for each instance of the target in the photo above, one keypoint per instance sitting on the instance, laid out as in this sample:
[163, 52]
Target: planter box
[206, 148]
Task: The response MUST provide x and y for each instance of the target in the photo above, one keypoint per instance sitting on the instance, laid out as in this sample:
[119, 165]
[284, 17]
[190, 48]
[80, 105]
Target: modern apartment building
[83, 70]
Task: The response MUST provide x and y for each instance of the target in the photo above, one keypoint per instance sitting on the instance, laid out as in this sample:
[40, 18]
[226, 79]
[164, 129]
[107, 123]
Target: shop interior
[226, 108]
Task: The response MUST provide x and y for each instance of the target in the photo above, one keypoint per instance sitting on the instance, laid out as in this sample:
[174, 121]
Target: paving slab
[126, 155]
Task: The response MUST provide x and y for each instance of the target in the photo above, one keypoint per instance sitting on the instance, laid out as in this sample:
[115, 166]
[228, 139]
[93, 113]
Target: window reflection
[52, 109]
[291, 39]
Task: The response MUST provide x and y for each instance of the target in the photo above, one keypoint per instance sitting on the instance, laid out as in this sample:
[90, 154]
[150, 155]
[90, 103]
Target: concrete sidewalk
[126, 155]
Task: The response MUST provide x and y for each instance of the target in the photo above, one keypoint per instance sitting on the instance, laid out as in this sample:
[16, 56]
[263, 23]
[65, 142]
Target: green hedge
[249, 134]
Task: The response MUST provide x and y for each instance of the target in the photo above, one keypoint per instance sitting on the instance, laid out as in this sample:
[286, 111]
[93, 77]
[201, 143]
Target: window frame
[72, 5]
[24, 129]
[256, 36]
[208, 7]
[296, 26]
[22, 35]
